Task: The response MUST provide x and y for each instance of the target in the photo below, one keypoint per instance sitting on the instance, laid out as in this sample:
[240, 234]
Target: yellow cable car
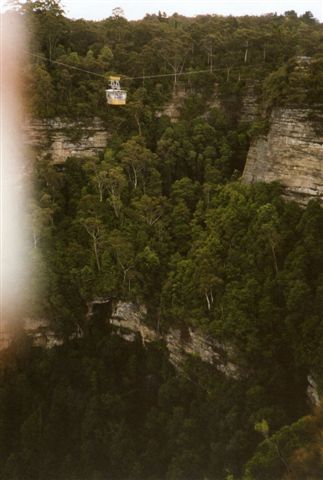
[115, 95]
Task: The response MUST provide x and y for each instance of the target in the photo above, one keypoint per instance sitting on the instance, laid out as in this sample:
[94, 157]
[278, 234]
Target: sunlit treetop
[38, 6]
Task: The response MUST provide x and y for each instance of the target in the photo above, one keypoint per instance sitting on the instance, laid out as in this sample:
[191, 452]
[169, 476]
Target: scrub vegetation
[163, 219]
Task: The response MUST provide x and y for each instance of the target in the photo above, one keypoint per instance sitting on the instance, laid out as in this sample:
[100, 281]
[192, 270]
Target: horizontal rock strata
[291, 153]
[61, 139]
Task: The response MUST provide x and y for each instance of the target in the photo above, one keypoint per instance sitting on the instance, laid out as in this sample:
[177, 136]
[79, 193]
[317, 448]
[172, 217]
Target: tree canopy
[162, 219]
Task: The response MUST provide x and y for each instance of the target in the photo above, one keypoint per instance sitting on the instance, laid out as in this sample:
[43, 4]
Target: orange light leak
[14, 268]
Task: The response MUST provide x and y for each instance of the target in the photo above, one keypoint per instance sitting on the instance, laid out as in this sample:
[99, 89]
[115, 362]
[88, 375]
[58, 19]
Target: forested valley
[163, 219]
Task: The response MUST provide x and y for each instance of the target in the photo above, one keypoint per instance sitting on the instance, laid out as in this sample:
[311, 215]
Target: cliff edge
[291, 153]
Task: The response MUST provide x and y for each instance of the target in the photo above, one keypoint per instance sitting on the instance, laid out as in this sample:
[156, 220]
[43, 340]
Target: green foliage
[239, 263]
[162, 219]
[292, 452]
[100, 408]
[235, 50]
[262, 427]
[297, 83]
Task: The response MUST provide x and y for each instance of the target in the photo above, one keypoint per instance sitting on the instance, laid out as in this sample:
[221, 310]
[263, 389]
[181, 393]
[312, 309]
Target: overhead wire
[66, 65]
[190, 72]
[124, 77]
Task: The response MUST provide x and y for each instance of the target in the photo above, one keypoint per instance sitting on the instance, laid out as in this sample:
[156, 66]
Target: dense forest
[162, 219]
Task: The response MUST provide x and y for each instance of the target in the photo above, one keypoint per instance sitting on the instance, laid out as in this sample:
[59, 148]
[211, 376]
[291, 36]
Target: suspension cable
[192, 72]
[124, 77]
[66, 65]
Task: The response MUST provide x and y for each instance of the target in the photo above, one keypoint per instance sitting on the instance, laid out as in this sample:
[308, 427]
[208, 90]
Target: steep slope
[62, 139]
[291, 153]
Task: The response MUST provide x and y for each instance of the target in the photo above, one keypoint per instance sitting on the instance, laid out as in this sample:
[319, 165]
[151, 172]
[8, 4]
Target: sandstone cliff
[250, 103]
[291, 153]
[127, 320]
[62, 139]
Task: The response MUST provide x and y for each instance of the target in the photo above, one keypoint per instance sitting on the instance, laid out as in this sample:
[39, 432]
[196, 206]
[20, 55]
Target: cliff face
[127, 320]
[291, 153]
[250, 104]
[62, 139]
[172, 108]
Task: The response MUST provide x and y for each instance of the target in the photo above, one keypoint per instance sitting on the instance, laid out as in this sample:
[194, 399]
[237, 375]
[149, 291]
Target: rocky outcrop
[128, 319]
[62, 139]
[201, 346]
[41, 333]
[38, 330]
[312, 392]
[291, 153]
[172, 108]
[250, 104]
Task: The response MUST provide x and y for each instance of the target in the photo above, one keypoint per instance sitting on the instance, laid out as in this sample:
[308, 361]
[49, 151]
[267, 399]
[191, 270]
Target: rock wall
[62, 139]
[172, 108]
[41, 333]
[127, 320]
[203, 347]
[250, 104]
[312, 392]
[38, 330]
[291, 153]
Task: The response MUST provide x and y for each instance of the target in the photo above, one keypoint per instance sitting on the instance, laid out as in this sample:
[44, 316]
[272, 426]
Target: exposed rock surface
[173, 107]
[62, 139]
[250, 104]
[128, 320]
[199, 345]
[41, 333]
[312, 392]
[291, 153]
[38, 330]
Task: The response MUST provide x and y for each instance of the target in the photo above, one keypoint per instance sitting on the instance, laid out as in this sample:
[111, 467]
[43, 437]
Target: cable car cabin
[116, 96]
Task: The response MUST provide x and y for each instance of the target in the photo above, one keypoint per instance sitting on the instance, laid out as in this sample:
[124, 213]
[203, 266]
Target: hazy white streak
[12, 173]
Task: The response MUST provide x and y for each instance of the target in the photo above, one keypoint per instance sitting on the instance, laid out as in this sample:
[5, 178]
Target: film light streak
[13, 266]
